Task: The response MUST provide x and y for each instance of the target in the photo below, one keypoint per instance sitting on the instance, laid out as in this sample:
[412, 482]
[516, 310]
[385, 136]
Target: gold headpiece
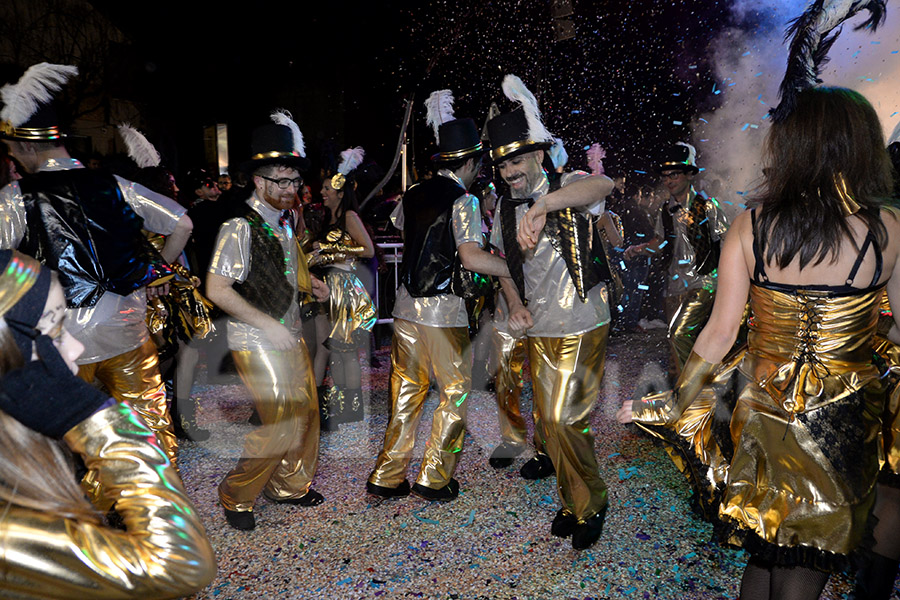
[338, 181]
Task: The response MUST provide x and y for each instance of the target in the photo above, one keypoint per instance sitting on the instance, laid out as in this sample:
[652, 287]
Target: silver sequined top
[552, 298]
[683, 274]
[445, 310]
[115, 324]
[231, 259]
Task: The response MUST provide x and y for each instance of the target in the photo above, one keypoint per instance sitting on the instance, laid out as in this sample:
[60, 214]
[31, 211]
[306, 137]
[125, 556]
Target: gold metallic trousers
[279, 457]
[689, 319]
[416, 350]
[133, 377]
[510, 353]
[566, 374]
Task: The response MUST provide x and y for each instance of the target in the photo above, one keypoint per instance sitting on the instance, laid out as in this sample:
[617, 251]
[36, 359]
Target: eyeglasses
[285, 183]
[671, 175]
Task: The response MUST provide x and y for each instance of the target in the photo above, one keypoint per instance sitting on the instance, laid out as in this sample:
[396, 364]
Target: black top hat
[510, 136]
[273, 144]
[459, 139]
[678, 157]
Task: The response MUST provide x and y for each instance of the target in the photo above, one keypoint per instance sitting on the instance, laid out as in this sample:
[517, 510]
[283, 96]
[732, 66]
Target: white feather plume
[283, 117]
[140, 150]
[558, 154]
[439, 110]
[516, 91]
[36, 86]
[692, 153]
[350, 159]
[895, 136]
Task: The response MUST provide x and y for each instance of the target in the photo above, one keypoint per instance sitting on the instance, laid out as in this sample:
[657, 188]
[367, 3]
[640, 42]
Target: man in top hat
[693, 226]
[441, 223]
[544, 227]
[87, 225]
[256, 273]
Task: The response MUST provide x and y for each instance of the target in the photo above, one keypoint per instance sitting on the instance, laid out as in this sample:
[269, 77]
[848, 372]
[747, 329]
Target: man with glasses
[693, 226]
[441, 224]
[255, 275]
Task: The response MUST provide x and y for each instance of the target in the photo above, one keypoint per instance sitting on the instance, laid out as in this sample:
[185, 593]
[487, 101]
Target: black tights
[781, 583]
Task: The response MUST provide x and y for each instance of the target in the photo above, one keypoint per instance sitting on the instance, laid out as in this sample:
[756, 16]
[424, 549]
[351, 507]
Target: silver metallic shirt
[231, 259]
[683, 274]
[115, 324]
[555, 307]
[445, 310]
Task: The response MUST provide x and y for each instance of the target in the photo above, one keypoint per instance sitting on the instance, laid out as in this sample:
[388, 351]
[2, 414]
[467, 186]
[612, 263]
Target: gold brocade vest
[808, 348]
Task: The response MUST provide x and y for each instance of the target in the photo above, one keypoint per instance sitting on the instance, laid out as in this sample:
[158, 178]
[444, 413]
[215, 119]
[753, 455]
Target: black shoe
[587, 533]
[503, 455]
[401, 491]
[186, 428]
[538, 467]
[243, 520]
[312, 498]
[445, 494]
[564, 524]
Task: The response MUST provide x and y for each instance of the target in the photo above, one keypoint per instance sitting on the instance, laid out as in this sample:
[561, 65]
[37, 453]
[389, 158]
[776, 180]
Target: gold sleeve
[667, 407]
[164, 552]
[340, 247]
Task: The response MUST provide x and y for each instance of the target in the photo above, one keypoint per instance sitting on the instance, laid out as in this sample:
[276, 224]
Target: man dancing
[557, 266]
[442, 225]
[256, 272]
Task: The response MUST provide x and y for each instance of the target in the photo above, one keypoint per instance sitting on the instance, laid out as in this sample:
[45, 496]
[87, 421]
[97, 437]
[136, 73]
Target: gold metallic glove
[320, 260]
[667, 407]
[163, 554]
[338, 247]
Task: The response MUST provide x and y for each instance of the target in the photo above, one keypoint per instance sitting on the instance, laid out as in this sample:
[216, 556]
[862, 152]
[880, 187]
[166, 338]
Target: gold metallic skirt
[350, 310]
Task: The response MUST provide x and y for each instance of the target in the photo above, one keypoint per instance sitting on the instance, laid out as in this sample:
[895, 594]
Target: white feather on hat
[692, 153]
[350, 159]
[516, 91]
[283, 117]
[140, 150]
[439, 110]
[558, 154]
[36, 86]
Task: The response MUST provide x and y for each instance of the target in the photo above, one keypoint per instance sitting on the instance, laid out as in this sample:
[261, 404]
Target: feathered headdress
[516, 91]
[140, 150]
[350, 159]
[811, 43]
[558, 155]
[283, 117]
[692, 153]
[439, 110]
[21, 100]
[595, 155]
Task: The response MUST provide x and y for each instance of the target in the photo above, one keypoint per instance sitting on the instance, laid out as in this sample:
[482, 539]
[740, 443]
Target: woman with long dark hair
[795, 482]
[53, 543]
[351, 313]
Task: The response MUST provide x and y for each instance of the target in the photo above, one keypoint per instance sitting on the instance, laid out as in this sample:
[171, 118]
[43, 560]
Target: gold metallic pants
[279, 457]
[510, 354]
[566, 374]
[689, 319]
[133, 377]
[416, 350]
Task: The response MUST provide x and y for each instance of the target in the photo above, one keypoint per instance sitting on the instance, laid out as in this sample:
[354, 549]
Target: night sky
[633, 71]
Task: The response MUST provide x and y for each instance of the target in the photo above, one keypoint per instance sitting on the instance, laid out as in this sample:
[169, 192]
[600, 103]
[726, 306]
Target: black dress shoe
[503, 455]
[444, 494]
[564, 524]
[243, 520]
[312, 498]
[538, 467]
[401, 491]
[587, 533]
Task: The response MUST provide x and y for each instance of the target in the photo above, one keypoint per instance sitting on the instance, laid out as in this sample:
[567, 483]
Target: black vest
[429, 248]
[571, 233]
[78, 223]
[266, 287]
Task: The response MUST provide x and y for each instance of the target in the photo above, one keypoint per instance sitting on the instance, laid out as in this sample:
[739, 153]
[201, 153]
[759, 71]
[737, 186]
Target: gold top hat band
[16, 279]
[274, 154]
[500, 152]
[37, 134]
[459, 153]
